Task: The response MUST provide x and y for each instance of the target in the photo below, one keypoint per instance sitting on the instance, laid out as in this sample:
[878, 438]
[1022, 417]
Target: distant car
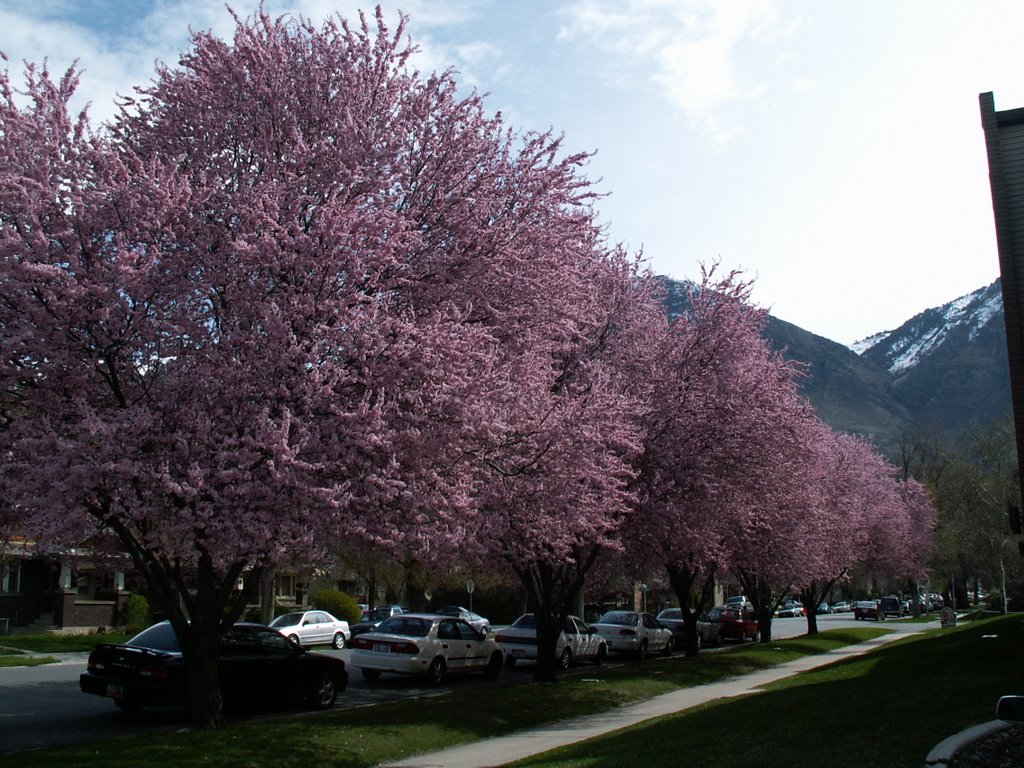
[735, 624]
[790, 610]
[840, 606]
[893, 606]
[474, 619]
[868, 609]
[313, 628]
[824, 608]
[257, 665]
[708, 632]
[425, 644]
[634, 632]
[576, 642]
[372, 619]
[739, 601]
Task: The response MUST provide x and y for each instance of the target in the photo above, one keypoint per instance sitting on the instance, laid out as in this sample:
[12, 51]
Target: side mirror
[1011, 709]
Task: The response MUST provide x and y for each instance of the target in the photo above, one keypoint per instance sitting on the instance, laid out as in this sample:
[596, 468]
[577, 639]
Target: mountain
[941, 371]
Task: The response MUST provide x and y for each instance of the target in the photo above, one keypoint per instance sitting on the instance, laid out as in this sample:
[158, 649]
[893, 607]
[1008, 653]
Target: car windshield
[403, 625]
[287, 620]
[378, 614]
[526, 621]
[450, 610]
[671, 613]
[625, 618]
[159, 637]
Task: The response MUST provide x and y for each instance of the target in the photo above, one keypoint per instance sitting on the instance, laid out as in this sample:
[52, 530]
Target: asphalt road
[43, 706]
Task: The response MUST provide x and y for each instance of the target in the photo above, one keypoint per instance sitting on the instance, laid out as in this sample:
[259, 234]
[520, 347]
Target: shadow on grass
[884, 710]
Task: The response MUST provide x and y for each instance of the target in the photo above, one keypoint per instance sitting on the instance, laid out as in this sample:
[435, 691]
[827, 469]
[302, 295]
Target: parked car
[372, 619]
[735, 624]
[739, 601]
[576, 642]
[840, 606]
[425, 644]
[634, 632]
[313, 628]
[790, 610]
[257, 664]
[708, 632]
[893, 606]
[473, 619]
[824, 608]
[868, 609]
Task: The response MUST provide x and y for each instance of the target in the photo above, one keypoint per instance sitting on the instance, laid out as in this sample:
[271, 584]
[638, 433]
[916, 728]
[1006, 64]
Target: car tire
[602, 652]
[295, 639]
[128, 704]
[565, 659]
[370, 674]
[642, 653]
[435, 674]
[325, 692]
[667, 650]
[339, 641]
[700, 641]
[494, 665]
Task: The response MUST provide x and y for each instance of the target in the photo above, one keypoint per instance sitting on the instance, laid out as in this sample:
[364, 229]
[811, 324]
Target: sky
[831, 151]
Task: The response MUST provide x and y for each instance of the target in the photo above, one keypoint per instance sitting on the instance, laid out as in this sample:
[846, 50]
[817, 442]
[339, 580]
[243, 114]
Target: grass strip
[370, 735]
[14, 660]
[52, 643]
[884, 710]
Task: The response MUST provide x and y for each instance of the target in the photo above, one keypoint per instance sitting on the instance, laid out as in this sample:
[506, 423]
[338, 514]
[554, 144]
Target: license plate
[518, 653]
[115, 691]
[382, 648]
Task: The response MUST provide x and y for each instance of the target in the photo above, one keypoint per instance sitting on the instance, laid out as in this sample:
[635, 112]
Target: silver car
[634, 632]
[313, 628]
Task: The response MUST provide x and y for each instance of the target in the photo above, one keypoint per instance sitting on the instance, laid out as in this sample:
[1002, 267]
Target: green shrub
[136, 612]
[333, 601]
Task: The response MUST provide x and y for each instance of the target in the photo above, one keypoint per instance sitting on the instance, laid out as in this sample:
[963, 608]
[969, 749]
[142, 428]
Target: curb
[943, 755]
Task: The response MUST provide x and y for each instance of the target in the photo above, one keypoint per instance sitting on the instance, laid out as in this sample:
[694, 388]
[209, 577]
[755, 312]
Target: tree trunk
[692, 602]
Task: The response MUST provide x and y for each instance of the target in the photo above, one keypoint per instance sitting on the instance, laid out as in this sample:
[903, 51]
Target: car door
[453, 647]
[580, 643]
[476, 649]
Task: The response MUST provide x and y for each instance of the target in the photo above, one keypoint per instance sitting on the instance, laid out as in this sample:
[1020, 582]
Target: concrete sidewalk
[506, 749]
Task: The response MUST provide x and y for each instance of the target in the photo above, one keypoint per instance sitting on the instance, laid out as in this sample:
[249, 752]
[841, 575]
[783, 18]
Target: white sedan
[425, 644]
[634, 632]
[313, 628]
[576, 641]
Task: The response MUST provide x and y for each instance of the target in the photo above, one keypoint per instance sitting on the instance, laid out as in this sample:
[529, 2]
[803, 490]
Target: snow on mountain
[903, 349]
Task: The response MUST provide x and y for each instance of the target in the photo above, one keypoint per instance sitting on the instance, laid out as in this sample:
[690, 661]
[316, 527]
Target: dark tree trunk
[811, 597]
[759, 593]
[692, 601]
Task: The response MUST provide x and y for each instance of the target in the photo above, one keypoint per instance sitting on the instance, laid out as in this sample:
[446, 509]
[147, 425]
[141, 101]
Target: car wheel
[667, 650]
[565, 659]
[370, 674]
[642, 653]
[700, 641]
[494, 665]
[756, 636]
[294, 639]
[435, 674]
[339, 641]
[128, 704]
[602, 652]
[325, 692]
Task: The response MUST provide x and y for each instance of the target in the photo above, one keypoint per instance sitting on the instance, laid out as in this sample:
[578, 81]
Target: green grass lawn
[48, 643]
[884, 710]
[370, 735]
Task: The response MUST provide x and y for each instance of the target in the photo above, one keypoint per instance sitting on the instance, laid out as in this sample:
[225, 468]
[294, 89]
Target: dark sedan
[868, 609]
[258, 665]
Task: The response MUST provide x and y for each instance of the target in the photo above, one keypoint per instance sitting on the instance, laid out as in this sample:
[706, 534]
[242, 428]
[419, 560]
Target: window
[286, 585]
[10, 577]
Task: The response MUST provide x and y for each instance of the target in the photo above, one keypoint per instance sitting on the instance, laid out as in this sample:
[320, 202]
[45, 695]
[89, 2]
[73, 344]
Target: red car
[735, 624]
[868, 609]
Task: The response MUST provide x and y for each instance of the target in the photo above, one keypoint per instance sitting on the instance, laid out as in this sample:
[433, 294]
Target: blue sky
[831, 150]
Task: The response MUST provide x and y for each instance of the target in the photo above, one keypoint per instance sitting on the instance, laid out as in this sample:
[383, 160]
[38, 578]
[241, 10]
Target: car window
[466, 632]
[273, 642]
[159, 637]
[623, 618]
[671, 613]
[287, 620]
[526, 621]
[403, 625]
[570, 627]
[447, 630]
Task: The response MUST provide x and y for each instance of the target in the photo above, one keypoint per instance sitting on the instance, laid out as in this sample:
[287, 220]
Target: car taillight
[96, 661]
[502, 639]
[155, 672]
[627, 632]
[411, 648]
[361, 643]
